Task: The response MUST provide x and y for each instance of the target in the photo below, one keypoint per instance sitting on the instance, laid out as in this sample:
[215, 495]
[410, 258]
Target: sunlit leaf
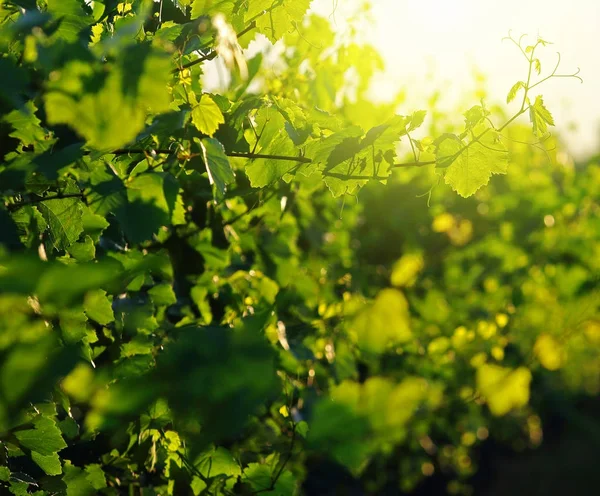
[514, 90]
[385, 322]
[469, 166]
[207, 115]
[549, 352]
[540, 117]
[504, 388]
[217, 164]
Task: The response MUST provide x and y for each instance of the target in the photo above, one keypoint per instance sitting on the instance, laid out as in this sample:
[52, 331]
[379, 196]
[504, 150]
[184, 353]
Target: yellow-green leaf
[540, 117]
[470, 166]
[385, 322]
[549, 352]
[503, 388]
[207, 115]
[514, 90]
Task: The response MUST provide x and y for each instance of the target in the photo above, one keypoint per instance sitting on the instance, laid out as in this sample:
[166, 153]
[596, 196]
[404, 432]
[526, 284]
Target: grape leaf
[98, 307]
[45, 438]
[261, 476]
[109, 110]
[26, 124]
[209, 7]
[470, 166]
[95, 476]
[64, 218]
[275, 17]
[79, 482]
[503, 388]
[162, 294]
[417, 119]
[218, 461]
[385, 322]
[72, 16]
[274, 140]
[540, 117]
[48, 463]
[514, 90]
[83, 251]
[207, 116]
[217, 164]
[348, 160]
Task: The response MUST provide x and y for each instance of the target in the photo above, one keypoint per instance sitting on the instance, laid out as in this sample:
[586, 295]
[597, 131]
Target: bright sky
[451, 37]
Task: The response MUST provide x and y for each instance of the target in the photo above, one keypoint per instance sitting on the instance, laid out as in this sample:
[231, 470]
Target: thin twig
[282, 465]
[32, 201]
[414, 164]
[212, 54]
[303, 160]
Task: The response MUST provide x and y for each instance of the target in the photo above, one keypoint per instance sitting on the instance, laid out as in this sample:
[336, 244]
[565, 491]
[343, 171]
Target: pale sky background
[450, 38]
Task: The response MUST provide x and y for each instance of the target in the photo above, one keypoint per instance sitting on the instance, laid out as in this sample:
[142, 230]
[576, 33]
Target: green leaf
[383, 323]
[474, 116]
[217, 164]
[45, 438]
[417, 119]
[72, 18]
[350, 160]
[207, 116]
[218, 461]
[78, 481]
[98, 307]
[162, 294]
[504, 388]
[107, 105]
[95, 476]
[540, 117]
[275, 18]
[210, 7]
[470, 166]
[26, 125]
[73, 325]
[274, 140]
[514, 90]
[48, 463]
[83, 251]
[64, 218]
[19, 488]
[261, 476]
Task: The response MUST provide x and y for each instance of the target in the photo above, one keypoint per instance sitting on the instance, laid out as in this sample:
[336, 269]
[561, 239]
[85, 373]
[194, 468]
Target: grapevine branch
[33, 201]
[252, 156]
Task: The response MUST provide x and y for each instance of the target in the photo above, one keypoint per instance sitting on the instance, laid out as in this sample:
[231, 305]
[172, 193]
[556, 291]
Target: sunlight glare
[439, 44]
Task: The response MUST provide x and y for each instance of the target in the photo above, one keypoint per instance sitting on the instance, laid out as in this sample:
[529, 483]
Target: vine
[185, 311]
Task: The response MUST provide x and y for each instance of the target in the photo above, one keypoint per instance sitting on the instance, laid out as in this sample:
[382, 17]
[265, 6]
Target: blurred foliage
[246, 292]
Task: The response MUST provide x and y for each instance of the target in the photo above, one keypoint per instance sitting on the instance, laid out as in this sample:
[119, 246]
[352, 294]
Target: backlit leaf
[503, 388]
[514, 90]
[470, 166]
[207, 116]
[217, 164]
[385, 322]
[540, 117]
